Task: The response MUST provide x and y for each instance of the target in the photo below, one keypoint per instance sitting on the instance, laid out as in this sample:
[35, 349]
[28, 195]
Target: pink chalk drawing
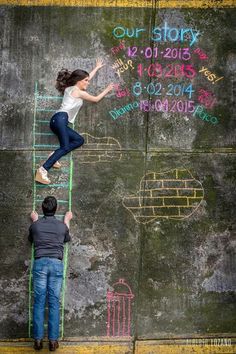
[121, 92]
[201, 53]
[206, 98]
[118, 48]
[119, 309]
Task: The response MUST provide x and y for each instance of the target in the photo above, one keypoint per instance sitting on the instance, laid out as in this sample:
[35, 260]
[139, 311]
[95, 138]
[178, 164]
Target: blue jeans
[68, 138]
[47, 280]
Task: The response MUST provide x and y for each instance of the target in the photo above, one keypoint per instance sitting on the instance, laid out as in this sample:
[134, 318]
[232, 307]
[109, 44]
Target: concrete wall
[152, 190]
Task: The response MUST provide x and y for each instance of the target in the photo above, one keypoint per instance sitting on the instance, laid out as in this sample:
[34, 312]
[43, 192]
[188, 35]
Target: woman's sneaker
[56, 164]
[42, 176]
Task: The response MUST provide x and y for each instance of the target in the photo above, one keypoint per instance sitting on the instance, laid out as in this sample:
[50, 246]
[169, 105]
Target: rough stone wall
[153, 188]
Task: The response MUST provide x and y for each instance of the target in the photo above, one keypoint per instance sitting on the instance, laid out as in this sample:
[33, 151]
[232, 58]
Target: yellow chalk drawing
[174, 194]
[96, 150]
[125, 3]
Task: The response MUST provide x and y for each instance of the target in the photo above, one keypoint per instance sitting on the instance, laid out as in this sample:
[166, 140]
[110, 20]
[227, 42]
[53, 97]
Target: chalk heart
[100, 149]
[174, 194]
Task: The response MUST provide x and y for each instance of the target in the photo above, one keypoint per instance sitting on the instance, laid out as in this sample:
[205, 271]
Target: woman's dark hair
[49, 206]
[66, 78]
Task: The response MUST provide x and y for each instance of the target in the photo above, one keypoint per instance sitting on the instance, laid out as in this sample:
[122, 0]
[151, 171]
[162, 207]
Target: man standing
[48, 236]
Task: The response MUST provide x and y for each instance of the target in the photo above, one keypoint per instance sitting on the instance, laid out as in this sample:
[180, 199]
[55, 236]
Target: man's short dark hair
[49, 206]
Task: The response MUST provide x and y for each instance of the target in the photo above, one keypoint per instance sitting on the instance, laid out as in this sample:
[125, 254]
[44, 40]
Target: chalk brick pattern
[174, 194]
[96, 150]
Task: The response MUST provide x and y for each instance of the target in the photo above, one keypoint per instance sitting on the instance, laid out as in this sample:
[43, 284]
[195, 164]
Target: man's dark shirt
[48, 235]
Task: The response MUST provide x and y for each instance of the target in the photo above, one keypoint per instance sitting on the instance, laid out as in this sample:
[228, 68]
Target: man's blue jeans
[68, 138]
[47, 280]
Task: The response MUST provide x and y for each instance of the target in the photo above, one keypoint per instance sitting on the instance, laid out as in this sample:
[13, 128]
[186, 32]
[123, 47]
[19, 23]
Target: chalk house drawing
[174, 194]
[119, 309]
[104, 149]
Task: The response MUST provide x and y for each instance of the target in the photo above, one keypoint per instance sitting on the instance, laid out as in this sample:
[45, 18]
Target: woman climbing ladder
[73, 86]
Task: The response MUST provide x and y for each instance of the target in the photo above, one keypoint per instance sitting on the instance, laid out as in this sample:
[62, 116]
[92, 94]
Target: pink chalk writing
[119, 310]
[121, 92]
[170, 70]
[118, 48]
[166, 105]
[200, 53]
[206, 98]
[155, 52]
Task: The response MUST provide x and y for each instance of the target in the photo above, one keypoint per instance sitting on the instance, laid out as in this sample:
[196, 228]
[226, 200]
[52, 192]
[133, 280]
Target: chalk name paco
[201, 113]
[159, 34]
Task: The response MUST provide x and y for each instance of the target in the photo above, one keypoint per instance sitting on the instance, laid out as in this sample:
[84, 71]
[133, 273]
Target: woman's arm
[87, 97]
[99, 65]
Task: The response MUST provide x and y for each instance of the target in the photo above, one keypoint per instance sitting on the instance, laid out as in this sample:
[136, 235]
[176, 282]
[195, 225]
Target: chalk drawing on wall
[156, 93]
[119, 309]
[104, 149]
[174, 194]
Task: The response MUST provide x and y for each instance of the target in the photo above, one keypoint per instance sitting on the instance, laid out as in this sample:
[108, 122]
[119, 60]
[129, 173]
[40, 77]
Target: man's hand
[34, 216]
[68, 216]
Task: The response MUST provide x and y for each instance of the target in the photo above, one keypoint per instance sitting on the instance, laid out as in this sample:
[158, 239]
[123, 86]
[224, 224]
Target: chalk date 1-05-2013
[165, 105]
[170, 70]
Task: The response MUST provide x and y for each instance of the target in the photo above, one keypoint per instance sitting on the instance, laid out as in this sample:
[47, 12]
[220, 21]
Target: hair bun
[62, 77]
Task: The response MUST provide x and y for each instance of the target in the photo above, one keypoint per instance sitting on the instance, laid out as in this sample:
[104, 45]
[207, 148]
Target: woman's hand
[111, 87]
[99, 63]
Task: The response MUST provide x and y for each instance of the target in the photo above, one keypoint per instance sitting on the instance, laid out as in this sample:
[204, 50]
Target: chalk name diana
[116, 113]
[159, 34]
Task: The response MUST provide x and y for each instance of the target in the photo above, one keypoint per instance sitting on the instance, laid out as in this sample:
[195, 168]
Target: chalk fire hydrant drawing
[119, 309]
[174, 194]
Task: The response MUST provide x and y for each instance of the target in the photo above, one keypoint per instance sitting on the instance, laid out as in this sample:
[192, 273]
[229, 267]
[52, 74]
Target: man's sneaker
[56, 164]
[53, 345]
[38, 344]
[42, 176]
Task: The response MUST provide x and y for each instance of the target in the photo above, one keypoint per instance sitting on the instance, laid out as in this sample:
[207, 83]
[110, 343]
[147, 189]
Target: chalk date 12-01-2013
[155, 52]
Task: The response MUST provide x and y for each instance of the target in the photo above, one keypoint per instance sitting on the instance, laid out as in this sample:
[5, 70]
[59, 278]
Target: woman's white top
[71, 105]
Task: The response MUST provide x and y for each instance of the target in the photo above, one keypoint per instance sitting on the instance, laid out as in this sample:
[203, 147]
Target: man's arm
[67, 218]
[34, 217]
